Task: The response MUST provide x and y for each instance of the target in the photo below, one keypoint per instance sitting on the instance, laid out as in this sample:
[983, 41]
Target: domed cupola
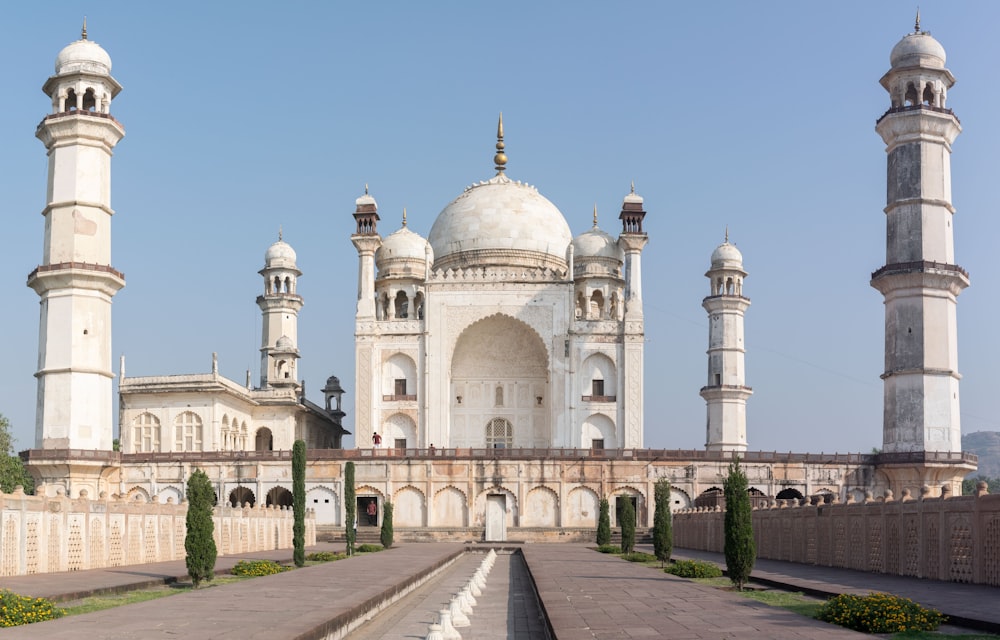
[597, 275]
[726, 273]
[500, 223]
[596, 252]
[280, 271]
[917, 78]
[403, 254]
[82, 80]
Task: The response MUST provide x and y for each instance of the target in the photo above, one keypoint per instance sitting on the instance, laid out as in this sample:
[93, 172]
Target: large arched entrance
[500, 372]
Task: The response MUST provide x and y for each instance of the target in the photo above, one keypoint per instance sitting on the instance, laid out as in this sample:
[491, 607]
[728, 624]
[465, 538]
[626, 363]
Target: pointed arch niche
[500, 357]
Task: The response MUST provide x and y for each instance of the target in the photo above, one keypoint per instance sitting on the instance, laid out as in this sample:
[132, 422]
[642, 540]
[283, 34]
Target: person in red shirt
[372, 513]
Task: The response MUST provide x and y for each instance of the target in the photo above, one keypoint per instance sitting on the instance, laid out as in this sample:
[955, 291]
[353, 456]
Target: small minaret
[632, 240]
[920, 280]
[75, 279]
[726, 392]
[280, 306]
[366, 240]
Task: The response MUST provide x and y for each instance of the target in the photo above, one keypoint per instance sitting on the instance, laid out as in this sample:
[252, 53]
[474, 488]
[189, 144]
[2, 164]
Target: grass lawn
[111, 600]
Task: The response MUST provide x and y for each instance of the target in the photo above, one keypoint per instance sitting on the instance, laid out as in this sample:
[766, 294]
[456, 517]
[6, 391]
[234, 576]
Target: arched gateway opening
[499, 373]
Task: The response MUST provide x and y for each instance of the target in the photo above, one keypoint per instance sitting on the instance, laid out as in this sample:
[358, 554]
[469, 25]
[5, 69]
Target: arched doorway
[279, 497]
[242, 496]
[500, 370]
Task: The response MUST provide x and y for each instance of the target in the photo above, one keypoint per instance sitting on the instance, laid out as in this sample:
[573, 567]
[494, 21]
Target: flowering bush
[254, 568]
[693, 569]
[16, 610]
[879, 613]
[325, 556]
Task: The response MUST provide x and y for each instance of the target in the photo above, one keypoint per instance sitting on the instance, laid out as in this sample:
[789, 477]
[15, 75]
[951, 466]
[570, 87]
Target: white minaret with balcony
[920, 280]
[75, 279]
[726, 392]
[279, 306]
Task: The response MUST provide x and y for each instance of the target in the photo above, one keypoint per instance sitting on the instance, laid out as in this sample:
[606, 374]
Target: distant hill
[986, 445]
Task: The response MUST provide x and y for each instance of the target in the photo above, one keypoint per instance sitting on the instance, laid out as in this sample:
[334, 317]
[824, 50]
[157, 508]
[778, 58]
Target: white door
[496, 518]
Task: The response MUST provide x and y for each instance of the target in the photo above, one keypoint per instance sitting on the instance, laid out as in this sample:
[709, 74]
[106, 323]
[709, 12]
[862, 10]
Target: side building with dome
[500, 330]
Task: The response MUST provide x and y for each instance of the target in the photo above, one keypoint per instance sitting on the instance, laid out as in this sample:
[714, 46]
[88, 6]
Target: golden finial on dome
[83, 32]
[366, 188]
[727, 234]
[633, 188]
[500, 158]
[404, 216]
[279, 233]
[595, 215]
[916, 25]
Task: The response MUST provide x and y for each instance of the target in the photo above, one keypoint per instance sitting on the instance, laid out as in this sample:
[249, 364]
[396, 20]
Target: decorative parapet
[39, 534]
[955, 539]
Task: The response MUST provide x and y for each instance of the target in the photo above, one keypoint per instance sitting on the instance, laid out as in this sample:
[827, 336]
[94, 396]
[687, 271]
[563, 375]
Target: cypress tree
[350, 507]
[299, 501]
[199, 543]
[386, 535]
[628, 526]
[604, 524]
[741, 553]
[663, 535]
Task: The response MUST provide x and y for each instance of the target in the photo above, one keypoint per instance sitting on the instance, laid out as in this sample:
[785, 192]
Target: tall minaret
[632, 240]
[75, 280]
[920, 280]
[726, 392]
[366, 240]
[280, 306]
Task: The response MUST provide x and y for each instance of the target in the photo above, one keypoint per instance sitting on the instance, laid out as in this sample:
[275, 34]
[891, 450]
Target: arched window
[402, 305]
[596, 305]
[264, 440]
[187, 432]
[145, 433]
[71, 100]
[89, 100]
[499, 434]
[498, 396]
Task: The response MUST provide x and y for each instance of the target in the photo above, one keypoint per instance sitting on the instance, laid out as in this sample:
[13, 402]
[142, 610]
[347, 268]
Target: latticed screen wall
[499, 434]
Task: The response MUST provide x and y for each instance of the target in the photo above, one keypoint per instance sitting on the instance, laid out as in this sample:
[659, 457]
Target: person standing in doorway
[372, 513]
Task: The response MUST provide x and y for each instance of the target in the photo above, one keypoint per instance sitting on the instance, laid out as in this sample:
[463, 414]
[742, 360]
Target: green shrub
[740, 550]
[663, 535]
[627, 525]
[609, 548]
[299, 502]
[16, 610]
[325, 556]
[879, 613]
[639, 556]
[369, 548]
[254, 568]
[386, 535]
[693, 569]
[199, 543]
[350, 508]
[604, 524]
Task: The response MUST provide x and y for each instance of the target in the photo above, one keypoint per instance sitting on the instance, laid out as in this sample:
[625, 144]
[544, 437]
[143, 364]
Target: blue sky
[756, 116]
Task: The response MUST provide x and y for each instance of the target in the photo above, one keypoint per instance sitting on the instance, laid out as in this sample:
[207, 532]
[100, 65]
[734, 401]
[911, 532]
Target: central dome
[497, 223]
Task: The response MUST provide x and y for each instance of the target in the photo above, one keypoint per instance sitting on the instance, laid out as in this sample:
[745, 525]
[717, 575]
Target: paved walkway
[968, 605]
[584, 595]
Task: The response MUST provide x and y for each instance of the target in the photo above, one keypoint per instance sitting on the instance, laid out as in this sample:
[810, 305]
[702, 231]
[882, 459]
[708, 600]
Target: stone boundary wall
[952, 539]
[39, 534]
